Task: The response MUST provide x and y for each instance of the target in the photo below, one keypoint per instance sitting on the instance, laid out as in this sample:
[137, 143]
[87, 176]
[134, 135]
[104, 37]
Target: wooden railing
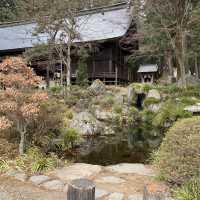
[83, 189]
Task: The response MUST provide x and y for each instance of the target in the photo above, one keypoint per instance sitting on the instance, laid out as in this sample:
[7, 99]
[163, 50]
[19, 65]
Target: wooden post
[196, 66]
[116, 75]
[81, 189]
[155, 192]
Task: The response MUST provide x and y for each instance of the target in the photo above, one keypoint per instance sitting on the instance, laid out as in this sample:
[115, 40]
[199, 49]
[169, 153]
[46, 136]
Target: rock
[116, 196]
[125, 168]
[97, 88]
[54, 185]
[99, 193]
[5, 196]
[37, 180]
[21, 176]
[135, 197]
[154, 107]
[86, 124]
[190, 80]
[154, 94]
[131, 95]
[104, 115]
[193, 109]
[76, 171]
[111, 179]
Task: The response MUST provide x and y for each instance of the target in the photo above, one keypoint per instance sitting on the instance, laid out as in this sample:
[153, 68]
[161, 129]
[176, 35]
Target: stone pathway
[117, 182]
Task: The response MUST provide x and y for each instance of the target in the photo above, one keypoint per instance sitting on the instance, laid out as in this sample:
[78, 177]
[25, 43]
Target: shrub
[178, 158]
[56, 89]
[35, 161]
[169, 113]
[4, 166]
[69, 137]
[150, 100]
[108, 101]
[117, 109]
[189, 191]
[69, 115]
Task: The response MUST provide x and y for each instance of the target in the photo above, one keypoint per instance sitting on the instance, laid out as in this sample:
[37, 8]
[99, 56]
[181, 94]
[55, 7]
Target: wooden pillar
[81, 189]
[116, 75]
[155, 192]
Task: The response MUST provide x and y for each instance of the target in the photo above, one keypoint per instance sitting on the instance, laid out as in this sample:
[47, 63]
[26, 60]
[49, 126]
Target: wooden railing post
[155, 192]
[81, 189]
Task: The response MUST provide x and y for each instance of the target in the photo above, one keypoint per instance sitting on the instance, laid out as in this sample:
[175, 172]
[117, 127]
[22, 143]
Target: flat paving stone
[21, 176]
[54, 185]
[111, 179]
[76, 171]
[135, 197]
[99, 193]
[127, 168]
[116, 196]
[37, 180]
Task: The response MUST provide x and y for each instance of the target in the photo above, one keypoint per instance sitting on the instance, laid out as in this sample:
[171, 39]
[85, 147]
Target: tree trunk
[22, 142]
[196, 67]
[68, 64]
[181, 57]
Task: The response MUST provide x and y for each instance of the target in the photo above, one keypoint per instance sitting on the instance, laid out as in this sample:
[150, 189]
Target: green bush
[69, 137]
[169, 113]
[150, 100]
[117, 109]
[108, 101]
[178, 158]
[4, 166]
[35, 161]
[82, 74]
[189, 191]
[56, 89]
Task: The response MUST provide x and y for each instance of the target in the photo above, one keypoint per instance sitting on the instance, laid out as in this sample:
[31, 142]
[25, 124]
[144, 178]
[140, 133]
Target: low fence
[83, 189]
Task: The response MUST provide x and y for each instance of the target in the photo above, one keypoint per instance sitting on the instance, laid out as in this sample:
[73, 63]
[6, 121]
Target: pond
[110, 150]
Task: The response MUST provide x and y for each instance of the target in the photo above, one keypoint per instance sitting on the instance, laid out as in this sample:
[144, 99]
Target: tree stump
[81, 189]
[155, 192]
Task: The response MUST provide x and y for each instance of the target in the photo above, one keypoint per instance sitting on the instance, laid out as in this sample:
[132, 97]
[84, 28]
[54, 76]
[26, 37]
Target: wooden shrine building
[111, 29]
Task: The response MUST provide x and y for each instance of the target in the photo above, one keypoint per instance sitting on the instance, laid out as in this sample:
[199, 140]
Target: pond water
[110, 150]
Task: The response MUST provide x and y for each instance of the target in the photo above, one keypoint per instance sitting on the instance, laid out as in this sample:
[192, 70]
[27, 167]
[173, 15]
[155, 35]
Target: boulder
[116, 196]
[76, 171]
[99, 193]
[127, 168]
[21, 176]
[154, 94]
[54, 185]
[86, 124]
[190, 80]
[131, 97]
[97, 88]
[193, 108]
[37, 180]
[154, 107]
[135, 197]
[103, 115]
[111, 180]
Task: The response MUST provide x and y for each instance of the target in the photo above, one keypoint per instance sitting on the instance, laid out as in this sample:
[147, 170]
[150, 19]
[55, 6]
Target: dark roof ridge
[101, 9]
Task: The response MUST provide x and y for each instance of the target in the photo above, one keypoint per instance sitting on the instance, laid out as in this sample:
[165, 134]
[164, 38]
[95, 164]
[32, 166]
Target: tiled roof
[148, 68]
[100, 24]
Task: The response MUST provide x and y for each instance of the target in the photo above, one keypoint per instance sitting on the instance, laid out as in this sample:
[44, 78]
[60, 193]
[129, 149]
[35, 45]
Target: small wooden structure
[148, 73]
[81, 189]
